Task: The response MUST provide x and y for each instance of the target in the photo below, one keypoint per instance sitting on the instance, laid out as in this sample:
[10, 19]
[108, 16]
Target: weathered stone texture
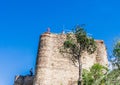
[52, 68]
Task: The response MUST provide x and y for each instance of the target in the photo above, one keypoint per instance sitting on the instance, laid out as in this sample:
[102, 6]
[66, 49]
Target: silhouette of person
[48, 30]
[31, 72]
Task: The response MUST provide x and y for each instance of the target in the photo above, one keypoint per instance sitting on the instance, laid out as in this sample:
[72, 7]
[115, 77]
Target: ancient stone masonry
[52, 68]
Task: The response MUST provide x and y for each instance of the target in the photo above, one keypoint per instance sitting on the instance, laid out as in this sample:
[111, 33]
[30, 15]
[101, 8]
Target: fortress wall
[52, 68]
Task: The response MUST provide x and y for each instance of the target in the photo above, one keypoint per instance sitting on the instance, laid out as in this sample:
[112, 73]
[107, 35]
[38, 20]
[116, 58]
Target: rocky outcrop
[23, 80]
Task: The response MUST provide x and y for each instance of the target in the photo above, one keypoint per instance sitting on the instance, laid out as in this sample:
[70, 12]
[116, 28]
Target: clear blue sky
[22, 21]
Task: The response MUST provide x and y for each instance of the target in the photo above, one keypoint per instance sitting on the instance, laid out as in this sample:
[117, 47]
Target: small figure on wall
[48, 30]
[31, 72]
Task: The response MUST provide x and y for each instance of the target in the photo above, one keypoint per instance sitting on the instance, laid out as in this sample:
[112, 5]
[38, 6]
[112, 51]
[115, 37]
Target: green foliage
[99, 75]
[95, 76]
[116, 53]
[113, 77]
[78, 43]
[85, 42]
[87, 77]
[97, 70]
[116, 50]
[68, 44]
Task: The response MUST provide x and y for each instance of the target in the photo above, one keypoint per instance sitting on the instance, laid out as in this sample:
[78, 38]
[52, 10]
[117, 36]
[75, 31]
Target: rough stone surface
[52, 68]
[24, 80]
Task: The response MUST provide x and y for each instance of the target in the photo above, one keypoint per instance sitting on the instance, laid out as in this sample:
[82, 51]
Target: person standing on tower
[48, 30]
[31, 72]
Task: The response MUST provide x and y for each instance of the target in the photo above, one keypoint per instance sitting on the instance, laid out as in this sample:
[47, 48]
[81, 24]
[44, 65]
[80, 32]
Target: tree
[100, 75]
[113, 76]
[96, 75]
[116, 54]
[76, 44]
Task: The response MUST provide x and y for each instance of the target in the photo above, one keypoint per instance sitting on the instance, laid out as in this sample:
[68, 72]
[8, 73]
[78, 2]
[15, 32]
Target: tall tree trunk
[80, 71]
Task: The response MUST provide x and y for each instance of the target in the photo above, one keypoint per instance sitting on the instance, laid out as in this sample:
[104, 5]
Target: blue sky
[22, 22]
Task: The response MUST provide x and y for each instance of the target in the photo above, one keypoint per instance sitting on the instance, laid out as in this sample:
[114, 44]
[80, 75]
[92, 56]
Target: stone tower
[52, 68]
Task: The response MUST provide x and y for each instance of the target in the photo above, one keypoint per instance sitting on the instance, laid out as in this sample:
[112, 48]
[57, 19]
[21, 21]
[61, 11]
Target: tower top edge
[48, 34]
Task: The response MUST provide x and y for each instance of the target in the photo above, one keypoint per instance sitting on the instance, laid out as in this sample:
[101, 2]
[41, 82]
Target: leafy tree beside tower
[116, 54]
[77, 43]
